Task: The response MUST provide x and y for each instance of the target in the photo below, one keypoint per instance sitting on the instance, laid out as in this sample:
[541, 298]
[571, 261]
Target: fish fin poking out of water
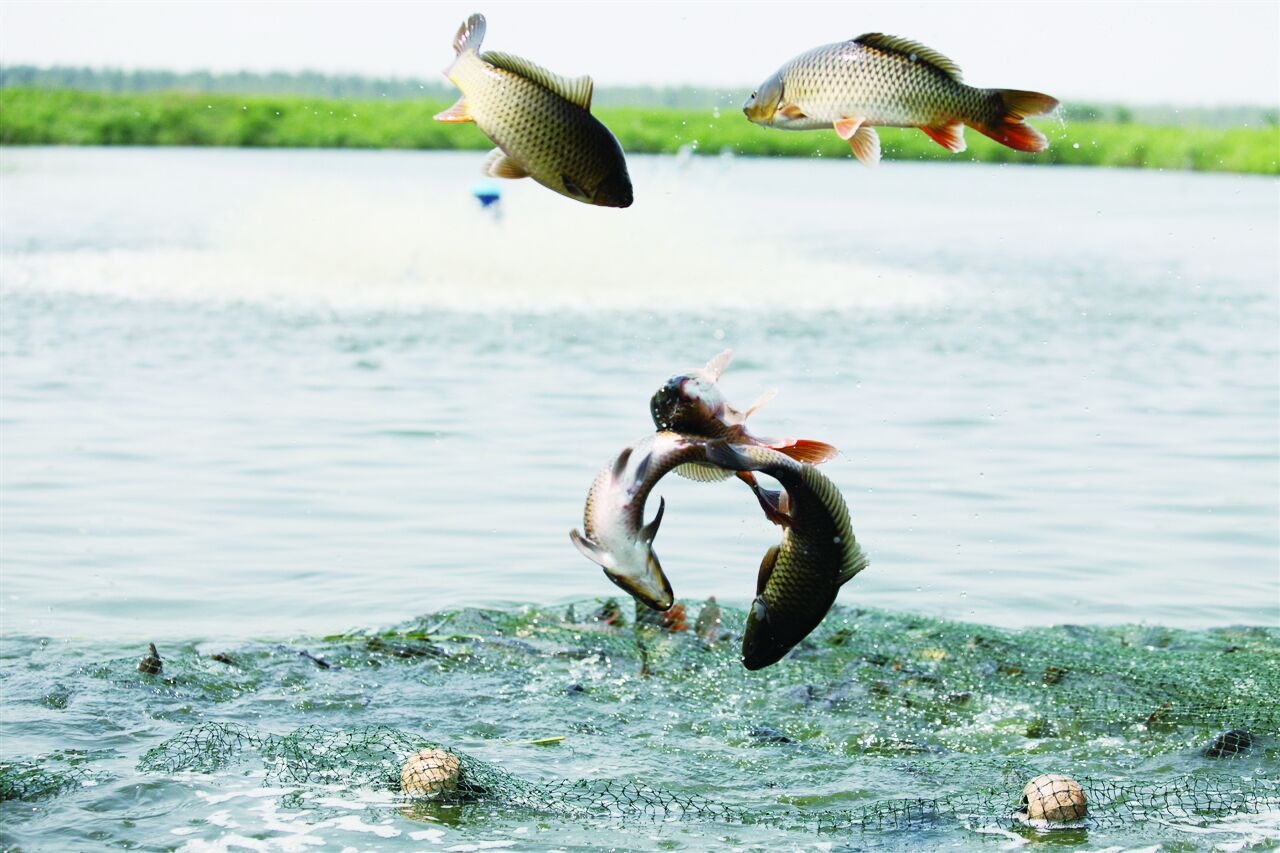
[1008, 128]
[590, 550]
[456, 114]
[576, 90]
[847, 127]
[866, 146]
[499, 165]
[949, 136]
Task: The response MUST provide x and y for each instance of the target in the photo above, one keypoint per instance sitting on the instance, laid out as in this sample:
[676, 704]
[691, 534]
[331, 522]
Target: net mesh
[935, 723]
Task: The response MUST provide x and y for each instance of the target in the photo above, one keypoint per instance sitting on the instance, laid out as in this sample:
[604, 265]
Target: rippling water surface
[257, 395]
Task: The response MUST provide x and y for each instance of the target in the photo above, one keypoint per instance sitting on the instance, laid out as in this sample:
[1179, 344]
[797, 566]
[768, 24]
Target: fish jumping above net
[693, 404]
[615, 535]
[540, 121]
[799, 577]
[887, 81]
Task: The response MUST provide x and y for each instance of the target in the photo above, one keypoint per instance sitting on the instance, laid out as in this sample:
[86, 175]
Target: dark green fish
[800, 577]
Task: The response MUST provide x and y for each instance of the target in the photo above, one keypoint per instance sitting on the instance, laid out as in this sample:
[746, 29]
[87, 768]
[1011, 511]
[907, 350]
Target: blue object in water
[486, 193]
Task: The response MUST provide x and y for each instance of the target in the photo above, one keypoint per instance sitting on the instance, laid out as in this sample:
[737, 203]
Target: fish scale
[887, 89]
[800, 577]
[887, 81]
[541, 123]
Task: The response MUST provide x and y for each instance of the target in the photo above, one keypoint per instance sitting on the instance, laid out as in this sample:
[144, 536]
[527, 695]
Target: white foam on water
[350, 242]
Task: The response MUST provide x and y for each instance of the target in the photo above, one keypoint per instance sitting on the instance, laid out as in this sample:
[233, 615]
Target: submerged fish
[692, 403]
[800, 577]
[540, 121]
[889, 81]
[614, 533]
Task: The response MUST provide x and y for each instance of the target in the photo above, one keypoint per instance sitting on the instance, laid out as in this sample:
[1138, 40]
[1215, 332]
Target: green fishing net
[878, 721]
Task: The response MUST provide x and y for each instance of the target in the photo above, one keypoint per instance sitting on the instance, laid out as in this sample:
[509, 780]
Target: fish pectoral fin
[572, 188]
[949, 136]
[775, 502]
[499, 165]
[576, 90]
[650, 530]
[457, 113]
[866, 146]
[847, 127]
[766, 568]
[589, 549]
[760, 402]
[791, 111]
[716, 366]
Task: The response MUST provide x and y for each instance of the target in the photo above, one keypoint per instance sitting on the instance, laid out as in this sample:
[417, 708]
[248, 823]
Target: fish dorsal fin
[855, 563]
[715, 367]
[913, 50]
[702, 473]
[573, 89]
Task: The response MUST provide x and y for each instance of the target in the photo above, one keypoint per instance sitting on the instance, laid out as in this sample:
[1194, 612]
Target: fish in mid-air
[800, 577]
[615, 535]
[692, 403]
[887, 81]
[540, 121]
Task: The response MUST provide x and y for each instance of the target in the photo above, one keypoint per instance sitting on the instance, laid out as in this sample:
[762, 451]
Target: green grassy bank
[52, 117]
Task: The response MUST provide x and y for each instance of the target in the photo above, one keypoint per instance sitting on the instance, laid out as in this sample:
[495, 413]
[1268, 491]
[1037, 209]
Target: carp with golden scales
[887, 81]
[800, 577]
[540, 121]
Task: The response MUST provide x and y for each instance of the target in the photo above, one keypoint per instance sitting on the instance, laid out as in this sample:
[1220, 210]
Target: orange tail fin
[802, 450]
[1008, 127]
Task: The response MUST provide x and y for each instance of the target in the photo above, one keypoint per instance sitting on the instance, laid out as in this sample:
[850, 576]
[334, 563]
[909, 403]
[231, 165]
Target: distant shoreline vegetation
[42, 116]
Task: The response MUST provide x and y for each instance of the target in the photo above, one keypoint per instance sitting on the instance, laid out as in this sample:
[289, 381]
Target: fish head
[761, 646]
[688, 402]
[762, 107]
[632, 564]
[615, 189]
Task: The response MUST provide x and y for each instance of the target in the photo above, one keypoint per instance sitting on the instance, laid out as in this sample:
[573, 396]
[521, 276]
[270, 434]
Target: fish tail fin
[469, 35]
[1004, 123]
[804, 450]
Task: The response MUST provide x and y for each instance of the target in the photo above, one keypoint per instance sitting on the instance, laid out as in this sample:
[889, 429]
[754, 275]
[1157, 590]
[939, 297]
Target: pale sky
[1188, 53]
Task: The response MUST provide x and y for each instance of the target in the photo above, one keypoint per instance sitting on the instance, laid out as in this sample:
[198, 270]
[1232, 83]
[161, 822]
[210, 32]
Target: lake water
[262, 395]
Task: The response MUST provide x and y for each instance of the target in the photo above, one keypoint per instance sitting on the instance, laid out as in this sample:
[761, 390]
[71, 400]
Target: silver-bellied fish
[615, 535]
[540, 121]
[692, 404]
[883, 80]
[800, 577]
